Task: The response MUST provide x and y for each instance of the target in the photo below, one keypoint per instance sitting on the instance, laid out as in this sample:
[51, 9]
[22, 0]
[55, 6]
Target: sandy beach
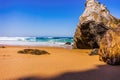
[60, 64]
[59, 40]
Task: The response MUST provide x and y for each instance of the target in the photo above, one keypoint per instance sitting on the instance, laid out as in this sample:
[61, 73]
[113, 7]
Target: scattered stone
[2, 46]
[68, 43]
[94, 52]
[109, 51]
[4, 55]
[33, 51]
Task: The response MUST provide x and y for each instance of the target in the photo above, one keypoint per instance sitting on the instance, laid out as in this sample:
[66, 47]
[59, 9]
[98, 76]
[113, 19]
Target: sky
[44, 17]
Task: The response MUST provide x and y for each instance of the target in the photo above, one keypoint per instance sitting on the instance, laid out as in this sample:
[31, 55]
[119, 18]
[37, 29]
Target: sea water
[36, 41]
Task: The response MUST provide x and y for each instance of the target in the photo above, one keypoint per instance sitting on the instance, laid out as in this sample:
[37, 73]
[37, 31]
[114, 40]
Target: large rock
[94, 11]
[88, 35]
[109, 51]
[99, 13]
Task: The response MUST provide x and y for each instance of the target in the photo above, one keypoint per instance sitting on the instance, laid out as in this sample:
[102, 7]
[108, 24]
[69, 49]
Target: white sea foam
[31, 41]
[13, 38]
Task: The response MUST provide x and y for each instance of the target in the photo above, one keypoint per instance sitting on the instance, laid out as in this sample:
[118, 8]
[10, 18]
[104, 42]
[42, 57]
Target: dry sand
[61, 64]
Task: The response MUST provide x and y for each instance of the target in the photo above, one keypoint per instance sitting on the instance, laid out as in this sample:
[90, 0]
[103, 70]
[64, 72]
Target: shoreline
[62, 46]
[36, 41]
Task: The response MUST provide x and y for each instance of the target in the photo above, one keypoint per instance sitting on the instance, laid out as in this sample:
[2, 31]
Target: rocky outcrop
[99, 13]
[100, 17]
[109, 51]
[33, 52]
[88, 35]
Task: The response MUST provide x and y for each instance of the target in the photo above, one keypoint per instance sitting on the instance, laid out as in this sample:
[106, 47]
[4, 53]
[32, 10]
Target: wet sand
[61, 64]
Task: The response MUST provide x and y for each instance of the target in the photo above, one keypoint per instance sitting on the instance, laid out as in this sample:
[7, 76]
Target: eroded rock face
[99, 13]
[89, 35]
[109, 51]
[94, 11]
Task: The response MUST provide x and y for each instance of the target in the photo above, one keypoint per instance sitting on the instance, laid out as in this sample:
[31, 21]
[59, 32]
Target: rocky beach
[98, 29]
[92, 54]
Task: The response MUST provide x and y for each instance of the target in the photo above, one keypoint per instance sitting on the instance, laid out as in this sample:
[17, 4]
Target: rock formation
[68, 43]
[89, 35]
[109, 51]
[99, 13]
[94, 18]
[33, 51]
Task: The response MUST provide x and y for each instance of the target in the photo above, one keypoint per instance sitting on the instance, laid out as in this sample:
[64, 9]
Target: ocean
[36, 41]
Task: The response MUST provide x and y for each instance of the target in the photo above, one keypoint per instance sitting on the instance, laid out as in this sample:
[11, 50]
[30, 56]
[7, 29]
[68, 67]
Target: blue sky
[44, 17]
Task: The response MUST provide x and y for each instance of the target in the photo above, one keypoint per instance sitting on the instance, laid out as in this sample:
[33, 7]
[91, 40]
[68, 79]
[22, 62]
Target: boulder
[68, 43]
[109, 51]
[95, 15]
[94, 52]
[88, 35]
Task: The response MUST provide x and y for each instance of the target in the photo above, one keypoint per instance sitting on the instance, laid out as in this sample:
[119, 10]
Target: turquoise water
[50, 39]
[35, 41]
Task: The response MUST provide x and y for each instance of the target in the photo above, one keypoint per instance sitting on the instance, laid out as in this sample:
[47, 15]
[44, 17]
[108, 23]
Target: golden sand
[61, 64]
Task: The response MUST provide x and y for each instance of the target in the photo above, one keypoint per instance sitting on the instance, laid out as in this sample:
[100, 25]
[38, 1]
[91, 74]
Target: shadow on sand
[102, 72]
